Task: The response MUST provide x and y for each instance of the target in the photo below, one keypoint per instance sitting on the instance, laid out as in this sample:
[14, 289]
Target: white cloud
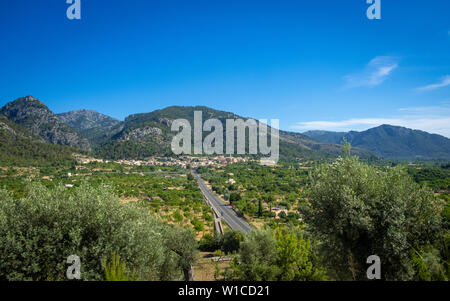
[445, 81]
[375, 73]
[434, 120]
[444, 109]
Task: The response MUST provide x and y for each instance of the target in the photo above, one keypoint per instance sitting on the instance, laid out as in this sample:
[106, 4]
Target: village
[180, 161]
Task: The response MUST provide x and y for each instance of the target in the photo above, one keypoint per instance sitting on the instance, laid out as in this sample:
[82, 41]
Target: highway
[226, 212]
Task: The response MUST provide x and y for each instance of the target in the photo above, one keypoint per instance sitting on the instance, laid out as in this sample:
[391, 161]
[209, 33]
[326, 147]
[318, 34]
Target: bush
[177, 216]
[40, 231]
[446, 216]
[198, 225]
[257, 260]
[269, 214]
[282, 215]
[210, 243]
[116, 269]
[231, 241]
[280, 255]
[235, 197]
[207, 216]
[358, 211]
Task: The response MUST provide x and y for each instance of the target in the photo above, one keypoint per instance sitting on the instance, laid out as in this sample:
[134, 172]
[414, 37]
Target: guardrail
[217, 220]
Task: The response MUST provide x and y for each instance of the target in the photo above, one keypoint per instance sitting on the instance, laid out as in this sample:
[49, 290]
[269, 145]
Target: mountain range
[33, 115]
[146, 134]
[393, 142]
[91, 124]
[143, 135]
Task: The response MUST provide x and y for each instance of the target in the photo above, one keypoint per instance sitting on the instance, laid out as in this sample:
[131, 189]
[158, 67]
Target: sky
[314, 65]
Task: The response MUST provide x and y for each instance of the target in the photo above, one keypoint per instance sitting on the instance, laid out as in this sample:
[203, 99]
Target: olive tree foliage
[183, 248]
[231, 241]
[257, 257]
[40, 231]
[296, 258]
[357, 211]
[281, 255]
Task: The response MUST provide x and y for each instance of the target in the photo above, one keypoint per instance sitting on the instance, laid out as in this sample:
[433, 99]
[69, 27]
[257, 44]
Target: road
[226, 212]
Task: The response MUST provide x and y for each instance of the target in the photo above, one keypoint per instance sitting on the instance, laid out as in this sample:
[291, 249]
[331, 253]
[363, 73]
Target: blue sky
[311, 64]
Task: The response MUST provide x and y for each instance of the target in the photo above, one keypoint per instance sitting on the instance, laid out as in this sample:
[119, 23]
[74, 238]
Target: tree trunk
[189, 274]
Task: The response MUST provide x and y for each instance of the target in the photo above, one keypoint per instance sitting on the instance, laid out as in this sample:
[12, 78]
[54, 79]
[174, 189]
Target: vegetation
[18, 147]
[283, 255]
[116, 269]
[318, 219]
[38, 233]
[357, 211]
[19, 151]
[437, 178]
[258, 189]
[228, 243]
[345, 211]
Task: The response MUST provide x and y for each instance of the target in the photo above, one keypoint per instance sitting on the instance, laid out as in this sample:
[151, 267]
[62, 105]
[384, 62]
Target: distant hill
[83, 120]
[326, 136]
[28, 123]
[33, 115]
[138, 136]
[91, 124]
[392, 142]
[146, 134]
[19, 147]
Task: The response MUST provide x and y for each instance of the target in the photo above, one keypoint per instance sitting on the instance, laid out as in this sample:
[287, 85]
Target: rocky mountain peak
[34, 115]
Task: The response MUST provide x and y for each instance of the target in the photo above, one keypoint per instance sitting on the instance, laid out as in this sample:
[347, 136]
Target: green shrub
[358, 210]
[198, 225]
[282, 215]
[280, 255]
[116, 269]
[40, 231]
[257, 260]
[207, 216]
[210, 243]
[231, 241]
[178, 216]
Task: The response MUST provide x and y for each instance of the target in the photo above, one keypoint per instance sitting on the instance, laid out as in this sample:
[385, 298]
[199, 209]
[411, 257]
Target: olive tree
[181, 242]
[257, 259]
[39, 232]
[295, 257]
[283, 254]
[358, 210]
[231, 241]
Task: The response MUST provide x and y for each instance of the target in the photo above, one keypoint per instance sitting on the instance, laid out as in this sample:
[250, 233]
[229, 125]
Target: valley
[253, 203]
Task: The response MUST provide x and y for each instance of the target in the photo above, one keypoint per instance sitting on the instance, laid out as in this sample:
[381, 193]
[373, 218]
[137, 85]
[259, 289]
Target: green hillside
[19, 147]
[148, 134]
[34, 115]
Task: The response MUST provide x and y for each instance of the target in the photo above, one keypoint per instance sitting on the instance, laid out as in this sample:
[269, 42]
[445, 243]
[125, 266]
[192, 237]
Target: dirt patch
[205, 269]
[129, 199]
